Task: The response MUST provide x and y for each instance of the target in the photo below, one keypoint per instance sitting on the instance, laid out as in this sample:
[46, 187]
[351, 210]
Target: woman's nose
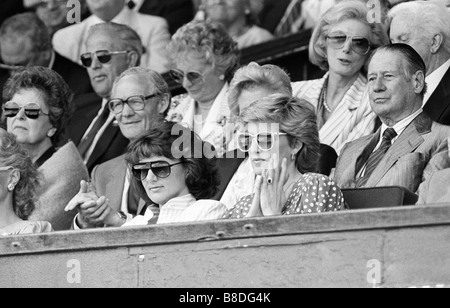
[347, 46]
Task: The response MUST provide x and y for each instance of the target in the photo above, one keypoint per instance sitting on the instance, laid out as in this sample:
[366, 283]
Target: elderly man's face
[132, 122]
[102, 75]
[403, 31]
[392, 95]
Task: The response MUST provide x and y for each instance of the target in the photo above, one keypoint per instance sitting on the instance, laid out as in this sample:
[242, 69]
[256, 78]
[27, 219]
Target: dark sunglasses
[137, 103]
[265, 141]
[103, 56]
[360, 45]
[161, 169]
[193, 77]
[32, 110]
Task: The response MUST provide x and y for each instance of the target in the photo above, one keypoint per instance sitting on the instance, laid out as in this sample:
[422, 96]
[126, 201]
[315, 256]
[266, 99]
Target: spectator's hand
[272, 196]
[98, 214]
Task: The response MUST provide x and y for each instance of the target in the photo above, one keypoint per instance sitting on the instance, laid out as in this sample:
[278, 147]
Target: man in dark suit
[26, 42]
[409, 146]
[110, 179]
[425, 26]
[176, 12]
[111, 49]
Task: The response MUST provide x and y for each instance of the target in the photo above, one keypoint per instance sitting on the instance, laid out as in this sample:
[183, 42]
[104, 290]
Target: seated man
[436, 189]
[139, 96]
[25, 41]
[112, 49]
[153, 31]
[409, 146]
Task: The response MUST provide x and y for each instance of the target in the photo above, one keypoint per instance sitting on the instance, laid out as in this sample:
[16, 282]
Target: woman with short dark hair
[37, 105]
[174, 168]
[19, 181]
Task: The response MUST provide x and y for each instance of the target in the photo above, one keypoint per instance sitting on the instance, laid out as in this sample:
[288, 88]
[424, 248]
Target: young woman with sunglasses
[36, 108]
[280, 134]
[19, 181]
[205, 58]
[341, 44]
[170, 168]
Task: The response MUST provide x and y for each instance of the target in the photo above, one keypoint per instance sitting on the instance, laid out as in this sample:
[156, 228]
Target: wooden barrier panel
[396, 247]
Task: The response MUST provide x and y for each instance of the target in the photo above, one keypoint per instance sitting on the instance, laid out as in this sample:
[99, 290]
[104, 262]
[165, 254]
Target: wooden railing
[289, 52]
[396, 247]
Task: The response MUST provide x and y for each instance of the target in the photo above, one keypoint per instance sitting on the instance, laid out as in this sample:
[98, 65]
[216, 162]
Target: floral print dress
[313, 193]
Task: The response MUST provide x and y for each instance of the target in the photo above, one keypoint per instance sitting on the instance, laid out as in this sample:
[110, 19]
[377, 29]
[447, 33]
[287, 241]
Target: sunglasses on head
[32, 110]
[193, 77]
[103, 56]
[160, 169]
[136, 102]
[265, 141]
[360, 45]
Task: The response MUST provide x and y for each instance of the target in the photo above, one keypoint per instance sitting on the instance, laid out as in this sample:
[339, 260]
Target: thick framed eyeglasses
[264, 140]
[360, 45]
[103, 56]
[193, 77]
[32, 110]
[137, 103]
[160, 169]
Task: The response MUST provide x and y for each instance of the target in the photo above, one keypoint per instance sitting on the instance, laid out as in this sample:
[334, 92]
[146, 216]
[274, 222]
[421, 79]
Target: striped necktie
[86, 143]
[292, 14]
[376, 157]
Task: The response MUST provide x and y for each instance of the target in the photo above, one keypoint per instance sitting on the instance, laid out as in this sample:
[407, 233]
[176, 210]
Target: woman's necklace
[324, 96]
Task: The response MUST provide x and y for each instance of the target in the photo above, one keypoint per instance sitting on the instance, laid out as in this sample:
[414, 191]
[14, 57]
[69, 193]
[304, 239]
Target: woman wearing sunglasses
[36, 108]
[205, 58]
[170, 168]
[280, 134]
[341, 44]
[19, 181]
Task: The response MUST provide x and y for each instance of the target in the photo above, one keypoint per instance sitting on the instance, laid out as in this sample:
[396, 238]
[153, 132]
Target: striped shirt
[353, 117]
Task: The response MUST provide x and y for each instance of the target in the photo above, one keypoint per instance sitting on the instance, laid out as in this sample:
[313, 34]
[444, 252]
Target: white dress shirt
[434, 79]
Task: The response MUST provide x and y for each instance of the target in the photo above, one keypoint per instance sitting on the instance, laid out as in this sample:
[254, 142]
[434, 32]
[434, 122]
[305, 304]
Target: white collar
[401, 126]
[434, 79]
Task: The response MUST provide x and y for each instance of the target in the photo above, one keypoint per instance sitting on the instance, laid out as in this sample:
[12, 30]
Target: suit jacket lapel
[407, 142]
[103, 144]
[439, 101]
[116, 184]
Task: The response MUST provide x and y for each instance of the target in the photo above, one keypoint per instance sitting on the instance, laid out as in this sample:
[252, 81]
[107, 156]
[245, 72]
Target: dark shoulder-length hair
[57, 94]
[26, 191]
[177, 142]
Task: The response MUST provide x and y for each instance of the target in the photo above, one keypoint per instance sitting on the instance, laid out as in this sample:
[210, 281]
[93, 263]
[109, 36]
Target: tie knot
[389, 134]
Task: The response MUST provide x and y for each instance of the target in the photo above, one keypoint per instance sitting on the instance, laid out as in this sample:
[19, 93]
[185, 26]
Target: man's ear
[419, 82]
[436, 43]
[164, 103]
[132, 59]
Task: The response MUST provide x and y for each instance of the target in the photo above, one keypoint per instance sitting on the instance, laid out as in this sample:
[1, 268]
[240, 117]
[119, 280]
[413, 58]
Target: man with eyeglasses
[25, 42]
[153, 31]
[139, 96]
[111, 49]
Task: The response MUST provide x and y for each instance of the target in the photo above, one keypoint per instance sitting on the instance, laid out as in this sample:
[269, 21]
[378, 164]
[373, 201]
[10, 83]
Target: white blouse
[352, 119]
[183, 209]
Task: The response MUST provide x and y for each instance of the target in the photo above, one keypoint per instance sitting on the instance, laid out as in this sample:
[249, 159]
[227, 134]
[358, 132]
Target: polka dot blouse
[313, 193]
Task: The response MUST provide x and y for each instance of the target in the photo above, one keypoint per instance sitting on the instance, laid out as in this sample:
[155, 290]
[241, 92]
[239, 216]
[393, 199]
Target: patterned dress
[313, 193]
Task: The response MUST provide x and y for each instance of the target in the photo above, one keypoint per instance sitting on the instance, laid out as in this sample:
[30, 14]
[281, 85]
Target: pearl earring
[11, 187]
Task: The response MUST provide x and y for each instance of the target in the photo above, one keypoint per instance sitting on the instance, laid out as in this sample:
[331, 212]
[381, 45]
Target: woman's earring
[11, 187]
[222, 77]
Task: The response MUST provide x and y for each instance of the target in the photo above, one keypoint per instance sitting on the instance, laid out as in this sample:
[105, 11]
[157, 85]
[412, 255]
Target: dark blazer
[176, 12]
[228, 165]
[272, 13]
[438, 106]
[112, 143]
[75, 75]
[419, 151]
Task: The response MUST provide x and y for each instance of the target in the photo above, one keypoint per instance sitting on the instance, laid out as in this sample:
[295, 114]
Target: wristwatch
[122, 215]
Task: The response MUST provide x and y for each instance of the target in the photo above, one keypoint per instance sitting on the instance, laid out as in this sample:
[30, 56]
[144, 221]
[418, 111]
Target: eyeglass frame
[253, 137]
[111, 53]
[144, 98]
[347, 37]
[140, 179]
[200, 78]
[25, 110]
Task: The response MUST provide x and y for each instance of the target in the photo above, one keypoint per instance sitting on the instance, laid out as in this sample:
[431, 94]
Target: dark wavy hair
[169, 139]
[25, 193]
[58, 96]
